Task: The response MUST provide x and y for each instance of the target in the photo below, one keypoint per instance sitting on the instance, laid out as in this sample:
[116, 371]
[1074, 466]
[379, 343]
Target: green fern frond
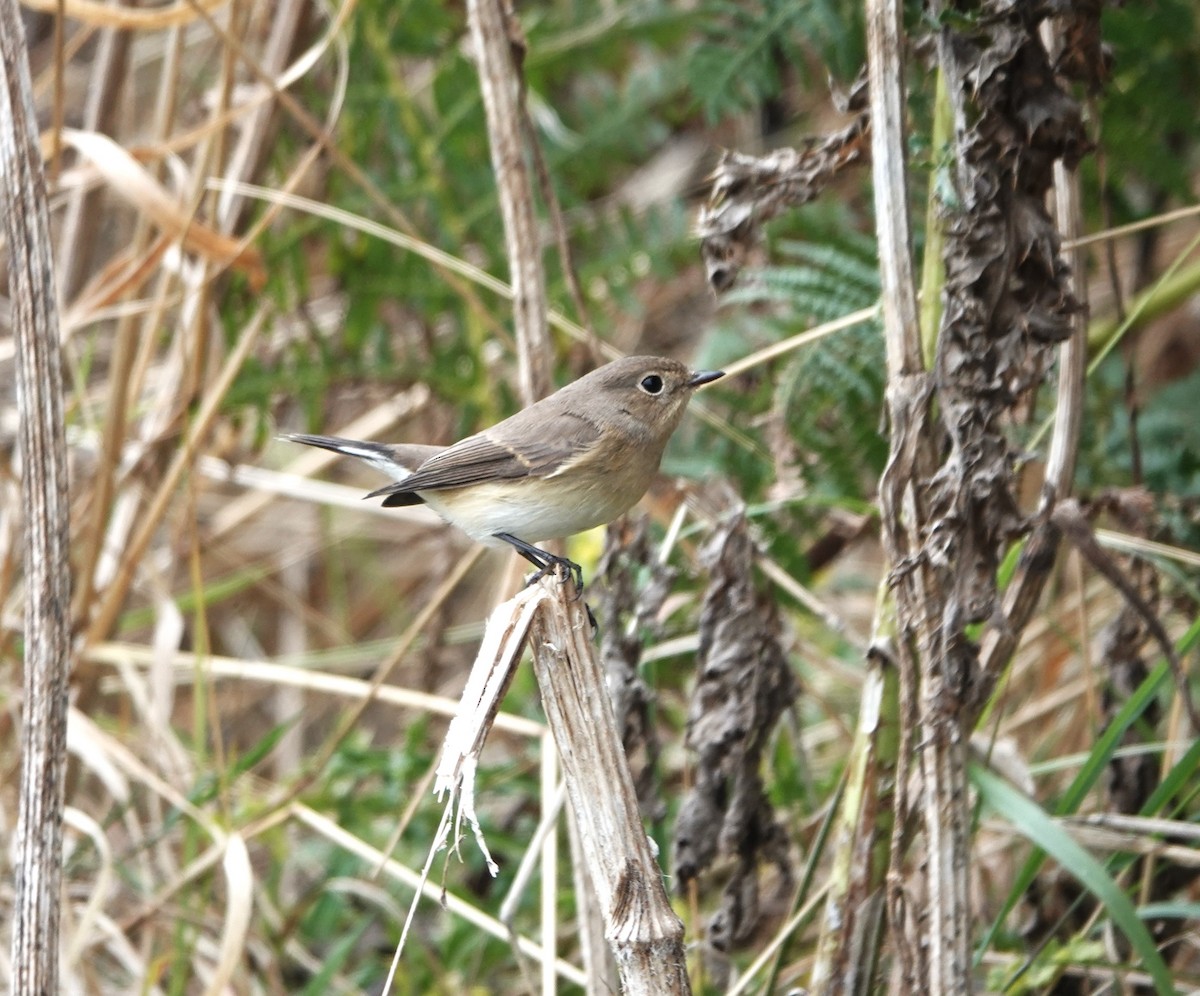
[830, 397]
[830, 394]
[750, 48]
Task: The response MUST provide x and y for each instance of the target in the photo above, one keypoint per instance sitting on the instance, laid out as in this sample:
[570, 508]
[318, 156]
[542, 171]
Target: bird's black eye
[652, 384]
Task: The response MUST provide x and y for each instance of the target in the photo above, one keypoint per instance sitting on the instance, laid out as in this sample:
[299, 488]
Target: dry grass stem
[432, 893]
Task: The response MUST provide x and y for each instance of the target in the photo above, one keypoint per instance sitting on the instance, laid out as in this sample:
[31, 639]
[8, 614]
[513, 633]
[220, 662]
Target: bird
[576, 459]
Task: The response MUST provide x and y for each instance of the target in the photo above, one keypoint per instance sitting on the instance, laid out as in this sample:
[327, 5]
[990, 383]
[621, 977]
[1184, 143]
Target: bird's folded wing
[505, 452]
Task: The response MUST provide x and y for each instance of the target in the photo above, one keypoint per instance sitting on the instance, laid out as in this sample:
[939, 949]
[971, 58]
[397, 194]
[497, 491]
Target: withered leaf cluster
[744, 685]
[748, 191]
[628, 610]
[1007, 299]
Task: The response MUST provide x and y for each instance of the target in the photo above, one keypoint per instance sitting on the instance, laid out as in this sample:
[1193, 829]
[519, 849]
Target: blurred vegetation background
[292, 225]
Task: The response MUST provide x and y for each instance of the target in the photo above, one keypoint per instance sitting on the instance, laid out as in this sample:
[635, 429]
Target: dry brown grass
[227, 602]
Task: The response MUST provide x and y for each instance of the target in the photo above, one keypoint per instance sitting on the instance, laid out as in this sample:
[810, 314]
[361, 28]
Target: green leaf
[1091, 771]
[1032, 822]
[334, 960]
[1170, 911]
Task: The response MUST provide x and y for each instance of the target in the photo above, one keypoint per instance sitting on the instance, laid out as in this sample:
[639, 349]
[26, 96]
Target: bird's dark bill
[702, 377]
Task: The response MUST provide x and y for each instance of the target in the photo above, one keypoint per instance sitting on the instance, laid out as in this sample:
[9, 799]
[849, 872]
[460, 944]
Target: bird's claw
[567, 570]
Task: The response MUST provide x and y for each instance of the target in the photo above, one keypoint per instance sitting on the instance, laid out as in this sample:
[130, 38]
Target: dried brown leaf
[127, 177]
[745, 684]
[1008, 301]
[626, 610]
[748, 191]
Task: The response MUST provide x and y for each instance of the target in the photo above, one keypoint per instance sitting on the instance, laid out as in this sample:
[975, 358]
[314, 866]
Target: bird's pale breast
[542, 508]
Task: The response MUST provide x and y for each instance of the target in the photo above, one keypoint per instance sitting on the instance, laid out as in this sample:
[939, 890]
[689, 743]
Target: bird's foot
[546, 563]
[566, 570]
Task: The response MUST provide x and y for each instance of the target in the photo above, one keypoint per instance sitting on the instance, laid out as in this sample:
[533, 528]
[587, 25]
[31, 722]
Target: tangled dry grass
[263, 663]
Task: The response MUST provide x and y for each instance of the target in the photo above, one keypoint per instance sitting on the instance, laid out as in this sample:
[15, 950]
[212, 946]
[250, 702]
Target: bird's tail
[396, 461]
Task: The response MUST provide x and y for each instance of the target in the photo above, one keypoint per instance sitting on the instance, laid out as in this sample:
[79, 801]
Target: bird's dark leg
[544, 561]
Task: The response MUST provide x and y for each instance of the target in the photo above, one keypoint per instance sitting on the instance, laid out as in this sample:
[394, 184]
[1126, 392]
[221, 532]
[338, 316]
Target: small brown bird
[572, 461]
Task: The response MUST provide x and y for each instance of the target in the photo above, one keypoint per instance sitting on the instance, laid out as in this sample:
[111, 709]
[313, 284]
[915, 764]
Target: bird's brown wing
[530, 444]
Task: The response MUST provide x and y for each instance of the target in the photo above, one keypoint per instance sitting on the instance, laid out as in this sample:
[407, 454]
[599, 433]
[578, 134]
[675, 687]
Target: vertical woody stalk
[643, 932]
[645, 935]
[498, 44]
[44, 494]
[947, 522]
[903, 518]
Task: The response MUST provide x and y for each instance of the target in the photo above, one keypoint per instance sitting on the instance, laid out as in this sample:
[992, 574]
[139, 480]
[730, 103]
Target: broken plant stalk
[642, 929]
